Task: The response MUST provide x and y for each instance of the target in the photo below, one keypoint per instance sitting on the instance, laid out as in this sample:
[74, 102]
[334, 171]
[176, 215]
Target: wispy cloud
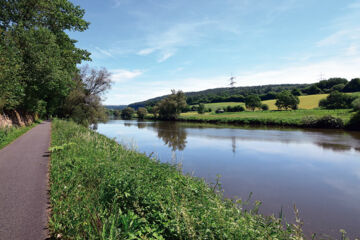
[123, 75]
[103, 51]
[166, 43]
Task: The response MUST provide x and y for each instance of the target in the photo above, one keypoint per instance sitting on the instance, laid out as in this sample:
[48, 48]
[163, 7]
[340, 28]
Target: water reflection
[319, 170]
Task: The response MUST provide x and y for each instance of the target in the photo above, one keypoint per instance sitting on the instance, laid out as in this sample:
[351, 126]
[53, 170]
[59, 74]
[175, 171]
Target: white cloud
[123, 75]
[104, 52]
[166, 43]
[352, 50]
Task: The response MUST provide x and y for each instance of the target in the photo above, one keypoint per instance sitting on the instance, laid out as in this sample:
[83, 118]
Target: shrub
[237, 108]
[264, 107]
[354, 122]
[336, 100]
[141, 112]
[356, 104]
[286, 100]
[127, 113]
[323, 122]
[201, 108]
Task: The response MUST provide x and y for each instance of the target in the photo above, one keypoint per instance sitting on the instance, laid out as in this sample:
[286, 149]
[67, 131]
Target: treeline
[266, 92]
[38, 61]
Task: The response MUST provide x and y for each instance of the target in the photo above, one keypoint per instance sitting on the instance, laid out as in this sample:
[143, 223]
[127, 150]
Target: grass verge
[100, 190]
[296, 118]
[8, 135]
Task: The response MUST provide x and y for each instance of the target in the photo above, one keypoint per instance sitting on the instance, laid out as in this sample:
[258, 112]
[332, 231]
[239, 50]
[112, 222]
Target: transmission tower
[232, 81]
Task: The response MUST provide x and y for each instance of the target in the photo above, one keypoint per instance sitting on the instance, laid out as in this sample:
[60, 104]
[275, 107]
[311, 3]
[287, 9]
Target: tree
[264, 107]
[36, 50]
[337, 100]
[296, 92]
[313, 89]
[352, 86]
[171, 106]
[201, 108]
[83, 104]
[285, 100]
[127, 113]
[141, 112]
[252, 101]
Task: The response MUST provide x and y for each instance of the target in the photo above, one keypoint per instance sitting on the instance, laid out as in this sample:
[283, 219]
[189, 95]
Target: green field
[101, 190]
[306, 102]
[282, 118]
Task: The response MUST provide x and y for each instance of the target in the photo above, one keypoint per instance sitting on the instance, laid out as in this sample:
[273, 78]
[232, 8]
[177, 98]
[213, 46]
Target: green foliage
[170, 107]
[352, 86]
[141, 112]
[127, 113]
[337, 100]
[286, 100]
[275, 118]
[7, 135]
[264, 107]
[100, 190]
[83, 104]
[252, 101]
[313, 89]
[37, 58]
[324, 122]
[356, 104]
[354, 122]
[237, 108]
[201, 108]
[329, 85]
[296, 92]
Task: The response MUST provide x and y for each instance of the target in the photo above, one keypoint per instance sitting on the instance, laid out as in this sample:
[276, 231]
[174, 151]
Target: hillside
[235, 94]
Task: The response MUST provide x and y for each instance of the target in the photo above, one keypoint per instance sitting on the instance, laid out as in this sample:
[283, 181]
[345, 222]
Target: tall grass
[8, 135]
[100, 190]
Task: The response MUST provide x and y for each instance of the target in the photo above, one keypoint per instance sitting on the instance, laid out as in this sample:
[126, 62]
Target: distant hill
[235, 94]
[115, 107]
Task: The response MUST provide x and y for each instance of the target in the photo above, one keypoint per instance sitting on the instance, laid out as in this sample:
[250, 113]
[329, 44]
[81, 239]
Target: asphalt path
[24, 168]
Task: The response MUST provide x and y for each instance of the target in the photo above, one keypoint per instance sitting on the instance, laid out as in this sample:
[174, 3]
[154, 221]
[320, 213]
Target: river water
[318, 170]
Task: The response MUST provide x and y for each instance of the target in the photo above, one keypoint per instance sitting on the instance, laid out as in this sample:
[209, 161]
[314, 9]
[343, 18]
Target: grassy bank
[297, 118]
[8, 135]
[100, 190]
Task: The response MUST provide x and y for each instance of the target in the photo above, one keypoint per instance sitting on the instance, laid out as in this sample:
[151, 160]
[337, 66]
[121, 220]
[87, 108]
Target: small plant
[264, 107]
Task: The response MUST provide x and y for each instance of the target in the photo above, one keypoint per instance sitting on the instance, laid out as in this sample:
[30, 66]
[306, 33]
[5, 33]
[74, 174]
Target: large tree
[36, 54]
[286, 100]
[253, 101]
[171, 106]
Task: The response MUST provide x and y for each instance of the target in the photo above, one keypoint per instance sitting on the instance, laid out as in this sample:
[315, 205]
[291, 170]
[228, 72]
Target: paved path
[24, 185]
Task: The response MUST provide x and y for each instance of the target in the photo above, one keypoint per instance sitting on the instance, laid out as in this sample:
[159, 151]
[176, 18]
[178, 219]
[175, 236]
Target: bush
[285, 100]
[323, 122]
[354, 122]
[141, 112]
[237, 108]
[201, 108]
[336, 100]
[127, 113]
[264, 107]
[356, 104]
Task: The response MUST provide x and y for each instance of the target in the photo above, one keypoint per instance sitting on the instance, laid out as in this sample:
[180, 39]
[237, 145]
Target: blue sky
[153, 46]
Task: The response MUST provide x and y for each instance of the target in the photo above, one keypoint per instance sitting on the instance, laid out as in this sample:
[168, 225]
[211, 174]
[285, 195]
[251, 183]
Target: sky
[153, 46]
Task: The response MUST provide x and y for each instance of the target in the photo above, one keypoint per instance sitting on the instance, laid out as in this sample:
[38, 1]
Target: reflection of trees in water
[172, 134]
[126, 124]
[141, 125]
[233, 144]
[334, 147]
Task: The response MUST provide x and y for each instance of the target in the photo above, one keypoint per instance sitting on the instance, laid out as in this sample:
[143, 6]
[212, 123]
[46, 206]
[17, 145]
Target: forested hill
[235, 94]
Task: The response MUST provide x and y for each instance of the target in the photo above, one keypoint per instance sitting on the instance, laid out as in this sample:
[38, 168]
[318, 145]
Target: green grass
[100, 190]
[281, 118]
[8, 135]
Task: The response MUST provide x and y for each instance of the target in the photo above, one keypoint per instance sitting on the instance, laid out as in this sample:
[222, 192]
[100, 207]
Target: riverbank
[100, 190]
[9, 134]
[292, 118]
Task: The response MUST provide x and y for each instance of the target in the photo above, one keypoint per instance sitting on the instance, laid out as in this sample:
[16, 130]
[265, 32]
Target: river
[318, 170]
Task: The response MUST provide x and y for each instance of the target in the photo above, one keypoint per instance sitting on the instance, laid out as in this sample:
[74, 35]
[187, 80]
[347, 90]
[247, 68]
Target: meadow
[101, 190]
